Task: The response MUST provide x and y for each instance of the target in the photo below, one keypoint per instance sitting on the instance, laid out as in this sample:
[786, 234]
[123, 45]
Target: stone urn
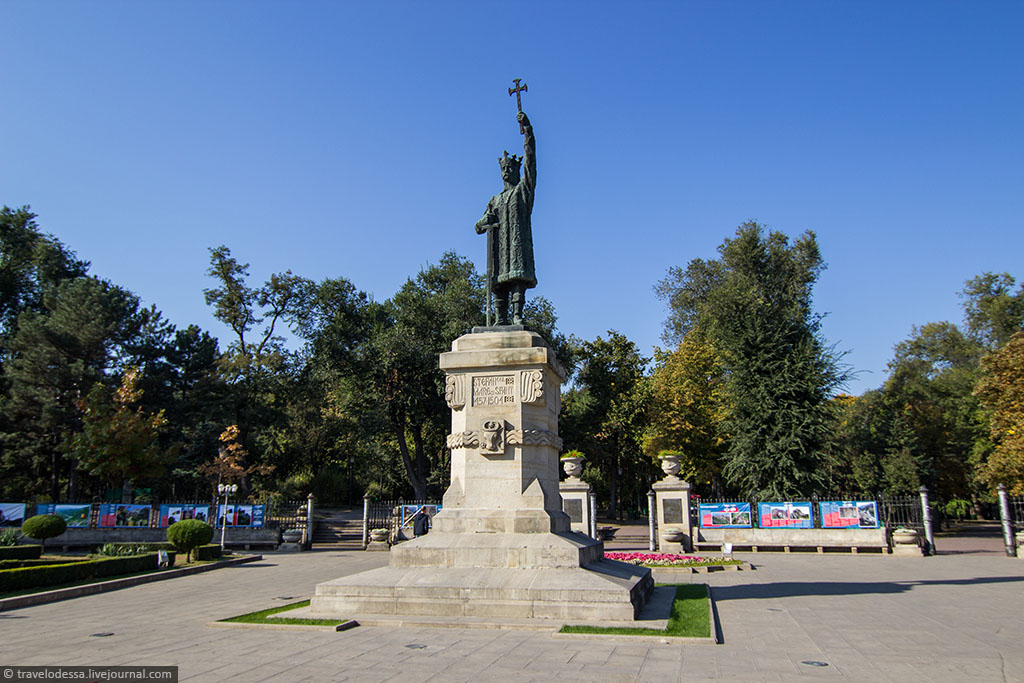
[379, 535]
[672, 535]
[905, 537]
[573, 466]
[292, 536]
[670, 464]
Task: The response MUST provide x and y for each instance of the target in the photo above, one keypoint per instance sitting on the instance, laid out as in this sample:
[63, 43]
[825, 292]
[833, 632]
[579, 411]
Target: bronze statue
[510, 270]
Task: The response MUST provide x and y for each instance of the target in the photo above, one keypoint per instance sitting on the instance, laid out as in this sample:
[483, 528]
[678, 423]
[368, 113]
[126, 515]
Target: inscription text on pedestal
[493, 390]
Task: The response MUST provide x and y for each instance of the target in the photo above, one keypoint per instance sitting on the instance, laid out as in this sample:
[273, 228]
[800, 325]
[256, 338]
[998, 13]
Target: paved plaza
[957, 617]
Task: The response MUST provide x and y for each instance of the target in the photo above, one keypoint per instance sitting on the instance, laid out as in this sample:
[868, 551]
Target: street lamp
[225, 490]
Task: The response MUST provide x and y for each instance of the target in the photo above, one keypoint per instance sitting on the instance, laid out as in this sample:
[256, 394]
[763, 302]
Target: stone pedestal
[576, 503]
[672, 496]
[501, 546]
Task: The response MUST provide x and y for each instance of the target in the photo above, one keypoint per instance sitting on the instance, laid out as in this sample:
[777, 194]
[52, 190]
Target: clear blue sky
[361, 140]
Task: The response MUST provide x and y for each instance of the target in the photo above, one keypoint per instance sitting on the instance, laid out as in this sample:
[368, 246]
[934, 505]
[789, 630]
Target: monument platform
[501, 546]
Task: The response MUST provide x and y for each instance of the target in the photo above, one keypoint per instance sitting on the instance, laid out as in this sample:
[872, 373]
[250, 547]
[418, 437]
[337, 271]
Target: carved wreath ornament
[513, 437]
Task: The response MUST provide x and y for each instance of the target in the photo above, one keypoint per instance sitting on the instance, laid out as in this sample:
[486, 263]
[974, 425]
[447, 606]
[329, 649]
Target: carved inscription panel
[672, 510]
[493, 390]
[574, 508]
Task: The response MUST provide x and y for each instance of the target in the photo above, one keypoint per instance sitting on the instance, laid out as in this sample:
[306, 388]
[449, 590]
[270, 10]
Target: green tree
[992, 311]
[256, 366]
[118, 441]
[605, 414]
[934, 419]
[416, 325]
[688, 408]
[754, 305]
[56, 356]
[1001, 391]
[31, 264]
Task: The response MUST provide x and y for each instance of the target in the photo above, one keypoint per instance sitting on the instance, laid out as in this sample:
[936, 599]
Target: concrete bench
[795, 540]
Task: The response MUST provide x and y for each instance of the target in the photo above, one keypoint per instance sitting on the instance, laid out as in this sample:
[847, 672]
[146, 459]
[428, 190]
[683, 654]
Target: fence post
[309, 521]
[593, 515]
[1004, 515]
[366, 520]
[651, 514]
[926, 520]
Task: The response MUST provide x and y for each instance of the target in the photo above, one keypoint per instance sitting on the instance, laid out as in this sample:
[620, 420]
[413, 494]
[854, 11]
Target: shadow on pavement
[785, 589]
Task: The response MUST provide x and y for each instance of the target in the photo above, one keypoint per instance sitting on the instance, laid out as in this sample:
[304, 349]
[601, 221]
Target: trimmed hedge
[21, 552]
[71, 572]
[210, 551]
[15, 564]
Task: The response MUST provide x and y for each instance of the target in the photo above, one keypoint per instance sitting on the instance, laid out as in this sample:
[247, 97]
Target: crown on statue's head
[510, 160]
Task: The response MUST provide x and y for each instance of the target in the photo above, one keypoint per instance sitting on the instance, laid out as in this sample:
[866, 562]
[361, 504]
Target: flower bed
[669, 560]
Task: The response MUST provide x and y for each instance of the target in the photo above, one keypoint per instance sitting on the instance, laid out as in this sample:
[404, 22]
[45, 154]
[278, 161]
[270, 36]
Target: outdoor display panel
[120, 515]
[74, 515]
[240, 515]
[407, 511]
[171, 513]
[725, 515]
[12, 514]
[849, 514]
[786, 515]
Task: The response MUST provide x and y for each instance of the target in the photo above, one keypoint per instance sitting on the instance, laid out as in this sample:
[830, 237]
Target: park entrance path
[870, 618]
[972, 538]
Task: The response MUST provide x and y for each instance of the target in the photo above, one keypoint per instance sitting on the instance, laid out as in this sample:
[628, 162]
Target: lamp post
[225, 490]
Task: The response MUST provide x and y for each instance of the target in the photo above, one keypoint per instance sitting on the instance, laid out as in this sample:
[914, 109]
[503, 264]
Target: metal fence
[1016, 512]
[381, 512]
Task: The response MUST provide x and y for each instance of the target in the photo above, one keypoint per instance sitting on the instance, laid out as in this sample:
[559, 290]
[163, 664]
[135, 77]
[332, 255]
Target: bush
[124, 549]
[9, 537]
[21, 552]
[958, 508]
[188, 534]
[42, 527]
[75, 570]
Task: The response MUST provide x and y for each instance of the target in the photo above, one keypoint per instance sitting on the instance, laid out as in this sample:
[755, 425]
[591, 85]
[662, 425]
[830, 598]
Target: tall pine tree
[754, 304]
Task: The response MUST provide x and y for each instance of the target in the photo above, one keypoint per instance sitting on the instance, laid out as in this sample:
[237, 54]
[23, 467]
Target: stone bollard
[366, 520]
[1004, 516]
[309, 521]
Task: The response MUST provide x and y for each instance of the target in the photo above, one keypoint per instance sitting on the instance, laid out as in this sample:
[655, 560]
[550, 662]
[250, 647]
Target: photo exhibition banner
[725, 515]
[785, 515]
[849, 514]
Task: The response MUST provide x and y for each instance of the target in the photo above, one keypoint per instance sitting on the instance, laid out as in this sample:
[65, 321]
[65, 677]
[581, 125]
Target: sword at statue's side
[490, 270]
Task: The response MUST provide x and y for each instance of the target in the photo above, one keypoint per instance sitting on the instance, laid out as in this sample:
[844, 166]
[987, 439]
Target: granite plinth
[603, 590]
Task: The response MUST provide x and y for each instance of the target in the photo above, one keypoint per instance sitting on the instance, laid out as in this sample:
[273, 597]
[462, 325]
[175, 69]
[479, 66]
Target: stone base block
[907, 550]
[382, 546]
[606, 590]
[290, 548]
[568, 550]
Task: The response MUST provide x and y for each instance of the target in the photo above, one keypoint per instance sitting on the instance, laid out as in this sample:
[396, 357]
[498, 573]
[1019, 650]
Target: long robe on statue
[512, 246]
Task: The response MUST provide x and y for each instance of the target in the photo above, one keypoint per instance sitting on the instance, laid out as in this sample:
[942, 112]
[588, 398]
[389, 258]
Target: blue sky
[361, 140]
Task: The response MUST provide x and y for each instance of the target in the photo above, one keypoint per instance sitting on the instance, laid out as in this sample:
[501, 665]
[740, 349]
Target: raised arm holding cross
[507, 222]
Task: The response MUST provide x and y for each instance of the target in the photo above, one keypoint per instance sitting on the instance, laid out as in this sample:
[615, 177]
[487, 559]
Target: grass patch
[263, 617]
[690, 617]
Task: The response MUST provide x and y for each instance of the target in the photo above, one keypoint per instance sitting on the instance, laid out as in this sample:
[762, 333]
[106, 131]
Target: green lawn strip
[689, 619]
[102, 579]
[263, 617]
